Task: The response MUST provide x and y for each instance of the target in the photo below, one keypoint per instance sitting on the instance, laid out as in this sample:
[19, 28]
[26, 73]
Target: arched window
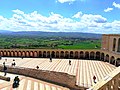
[118, 45]
[114, 44]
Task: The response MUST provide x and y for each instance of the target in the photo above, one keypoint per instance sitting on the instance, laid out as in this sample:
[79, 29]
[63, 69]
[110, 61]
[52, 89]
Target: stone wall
[60, 78]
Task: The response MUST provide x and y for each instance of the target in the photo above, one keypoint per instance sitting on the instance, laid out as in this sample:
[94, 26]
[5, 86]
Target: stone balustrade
[110, 82]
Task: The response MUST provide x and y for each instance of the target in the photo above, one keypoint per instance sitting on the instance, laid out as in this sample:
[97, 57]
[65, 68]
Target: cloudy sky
[93, 16]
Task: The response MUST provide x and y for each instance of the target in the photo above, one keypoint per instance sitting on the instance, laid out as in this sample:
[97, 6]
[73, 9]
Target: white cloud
[77, 15]
[116, 5]
[108, 9]
[63, 1]
[34, 21]
[93, 18]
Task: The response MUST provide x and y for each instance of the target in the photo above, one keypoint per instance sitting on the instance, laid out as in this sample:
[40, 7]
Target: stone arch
[102, 56]
[27, 54]
[118, 49]
[1, 53]
[48, 54]
[57, 54]
[19, 53]
[40, 54]
[53, 54]
[107, 58]
[62, 54]
[35, 54]
[114, 44]
[112, 60]
[31, 53]
[44, 54]
[12, 53]
[97, 55]
[118, 62]
[92, 55]
[76, 54]
[71, 54]
[16, 54]
[8, 53]
[81, 55]
[23, 54]
[66, 54]
[5, 53]
[86, 55]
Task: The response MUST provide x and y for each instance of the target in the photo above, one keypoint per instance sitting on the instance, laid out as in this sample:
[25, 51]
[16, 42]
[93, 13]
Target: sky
[91, 16]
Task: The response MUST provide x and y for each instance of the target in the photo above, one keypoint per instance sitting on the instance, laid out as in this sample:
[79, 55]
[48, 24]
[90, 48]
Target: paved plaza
[84, 70]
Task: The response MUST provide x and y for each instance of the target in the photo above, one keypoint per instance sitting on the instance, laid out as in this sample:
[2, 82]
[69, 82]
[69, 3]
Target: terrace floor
[84, 70]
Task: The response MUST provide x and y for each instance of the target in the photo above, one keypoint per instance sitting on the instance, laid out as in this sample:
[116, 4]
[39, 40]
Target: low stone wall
[60, 78]
[5, 78]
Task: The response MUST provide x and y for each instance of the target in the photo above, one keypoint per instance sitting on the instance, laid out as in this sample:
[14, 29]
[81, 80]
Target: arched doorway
[8, 53]
[62, 54]
[23, 54]
[118, 49]
[107, 58]
[102, 56]
[86, 55]
[81, 55]
[57, 54]
[66, 54]
[31, 54]
[53, 54]
[1, 53]
[92, 55]
[40, 54]
[27, 54]
[16, 54]
[71, 54]
[76, 54]
[12, 53]
[97, 55]
[112, 60]
[35, 54]
[5, 53]
[118, 62]
[114, 44]
[19, 54]
[48, 54]
[44, 54]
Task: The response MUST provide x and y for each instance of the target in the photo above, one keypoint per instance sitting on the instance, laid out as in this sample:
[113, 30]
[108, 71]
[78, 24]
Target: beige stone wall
[107, 42]
[60, 78]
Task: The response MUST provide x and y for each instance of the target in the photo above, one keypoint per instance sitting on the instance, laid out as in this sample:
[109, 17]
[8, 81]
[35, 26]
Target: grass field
[8, 42]
[83, 45]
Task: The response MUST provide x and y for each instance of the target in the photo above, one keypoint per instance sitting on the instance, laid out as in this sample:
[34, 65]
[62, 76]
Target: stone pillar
[116, 45]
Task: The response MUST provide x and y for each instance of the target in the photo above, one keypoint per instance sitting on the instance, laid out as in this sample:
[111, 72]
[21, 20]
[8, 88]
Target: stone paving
[84, 70]
[27, 83]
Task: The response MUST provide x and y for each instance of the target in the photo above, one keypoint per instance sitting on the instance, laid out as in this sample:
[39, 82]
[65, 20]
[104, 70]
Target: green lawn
[82, 45]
